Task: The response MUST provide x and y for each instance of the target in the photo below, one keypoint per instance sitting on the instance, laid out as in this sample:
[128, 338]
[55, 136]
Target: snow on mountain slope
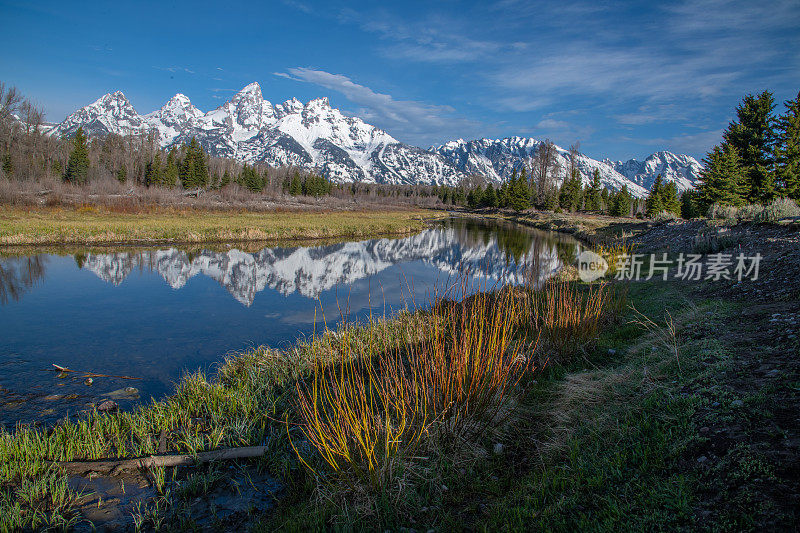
[250, 129]
[175, 116]
[111, 113]
[497, 159]
[684, 170]
[343, 148]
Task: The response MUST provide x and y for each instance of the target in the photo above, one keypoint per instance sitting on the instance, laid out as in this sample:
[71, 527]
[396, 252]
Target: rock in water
[107, 406]
[128, 393]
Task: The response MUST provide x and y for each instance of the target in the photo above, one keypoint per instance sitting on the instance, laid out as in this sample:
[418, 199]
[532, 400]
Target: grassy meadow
[93, 225]
[609, 406]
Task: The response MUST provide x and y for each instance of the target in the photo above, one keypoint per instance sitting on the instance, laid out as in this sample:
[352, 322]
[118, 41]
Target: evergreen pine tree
[518, 192]
[621, 203]
[551, 198]
[604, 200]
[752, 136]
[153, 173]
[78, 164]
[194, 170]
[787, 150]
[251, 179]
[654, 203]
[122, 174]
[502, 195]
[669, 198]
[226, 179]
[171, 170]
[296, 186]
[459, 196]
[690, 207]
[8, 166]
[490, 197]
[315, 185]
[593, 194]
[722, 180]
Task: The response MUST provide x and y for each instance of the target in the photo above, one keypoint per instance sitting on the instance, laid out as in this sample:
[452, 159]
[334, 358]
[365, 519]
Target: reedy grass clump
[569, 315]
[366, 413]
[612, 253]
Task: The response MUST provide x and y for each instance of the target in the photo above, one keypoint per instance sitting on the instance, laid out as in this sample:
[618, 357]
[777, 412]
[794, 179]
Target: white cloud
[408, 120]
[692, 143]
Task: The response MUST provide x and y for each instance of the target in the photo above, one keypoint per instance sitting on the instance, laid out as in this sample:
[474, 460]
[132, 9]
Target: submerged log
[65, 370]
[105, 466]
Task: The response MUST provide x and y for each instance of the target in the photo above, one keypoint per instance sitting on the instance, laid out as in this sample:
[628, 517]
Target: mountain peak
[179, 98]
[343, 148]
[252, 89]
[319, 102]
[116, 96]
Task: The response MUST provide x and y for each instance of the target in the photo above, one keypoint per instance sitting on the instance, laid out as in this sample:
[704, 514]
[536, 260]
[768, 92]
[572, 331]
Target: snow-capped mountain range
[312, 270]
[317, 136]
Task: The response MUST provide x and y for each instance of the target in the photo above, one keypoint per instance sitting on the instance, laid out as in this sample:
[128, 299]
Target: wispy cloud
[175, 69]
[409, 120]
[684, 142]
[302, 6]
[665, 65]
[429, 39]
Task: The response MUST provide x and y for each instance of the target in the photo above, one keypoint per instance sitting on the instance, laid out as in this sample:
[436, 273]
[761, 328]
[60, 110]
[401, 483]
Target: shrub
[779, 209]
[569, 316]
[664, 216]
[445, 380]
[723, 212]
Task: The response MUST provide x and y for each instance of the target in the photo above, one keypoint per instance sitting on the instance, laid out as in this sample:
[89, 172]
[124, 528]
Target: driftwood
[112, 467]
[60, 368]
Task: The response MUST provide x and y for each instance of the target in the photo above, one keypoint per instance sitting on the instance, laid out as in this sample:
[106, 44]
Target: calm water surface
[158, 313]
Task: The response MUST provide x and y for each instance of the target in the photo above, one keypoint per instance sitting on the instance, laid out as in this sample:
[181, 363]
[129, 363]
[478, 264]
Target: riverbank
[673, 408]
[94, 225]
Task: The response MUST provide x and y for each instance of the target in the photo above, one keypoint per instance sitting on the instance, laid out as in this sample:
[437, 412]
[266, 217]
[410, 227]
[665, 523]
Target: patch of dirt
[747, 455]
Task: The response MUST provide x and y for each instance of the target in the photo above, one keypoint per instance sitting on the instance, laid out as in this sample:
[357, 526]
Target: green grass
[243, 406]
[92, 226]
[601, 439]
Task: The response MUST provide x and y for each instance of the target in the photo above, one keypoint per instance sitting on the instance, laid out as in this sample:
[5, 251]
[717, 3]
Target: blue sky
[623, 78]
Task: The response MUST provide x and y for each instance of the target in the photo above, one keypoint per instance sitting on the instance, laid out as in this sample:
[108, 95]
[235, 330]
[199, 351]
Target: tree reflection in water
[19, 275]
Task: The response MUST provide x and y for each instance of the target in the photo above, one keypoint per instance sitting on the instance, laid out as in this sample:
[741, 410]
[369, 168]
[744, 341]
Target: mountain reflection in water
[491, 252]
[56, 309]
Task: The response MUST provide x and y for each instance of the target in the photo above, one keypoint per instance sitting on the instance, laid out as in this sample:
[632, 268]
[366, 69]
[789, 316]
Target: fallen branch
[112, 467]
[60, 368]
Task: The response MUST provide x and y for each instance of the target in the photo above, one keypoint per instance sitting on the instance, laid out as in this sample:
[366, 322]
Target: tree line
[758, 159]
[27, 154]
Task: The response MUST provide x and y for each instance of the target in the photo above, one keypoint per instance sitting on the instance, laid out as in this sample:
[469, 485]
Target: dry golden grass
[92, 225]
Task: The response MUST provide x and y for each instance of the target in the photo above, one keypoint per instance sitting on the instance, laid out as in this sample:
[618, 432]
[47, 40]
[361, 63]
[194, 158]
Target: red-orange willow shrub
[445, 378]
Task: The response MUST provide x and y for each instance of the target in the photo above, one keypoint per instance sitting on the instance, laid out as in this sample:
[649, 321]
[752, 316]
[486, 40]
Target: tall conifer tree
[752, 135]
[78, 163]
[787, 150]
